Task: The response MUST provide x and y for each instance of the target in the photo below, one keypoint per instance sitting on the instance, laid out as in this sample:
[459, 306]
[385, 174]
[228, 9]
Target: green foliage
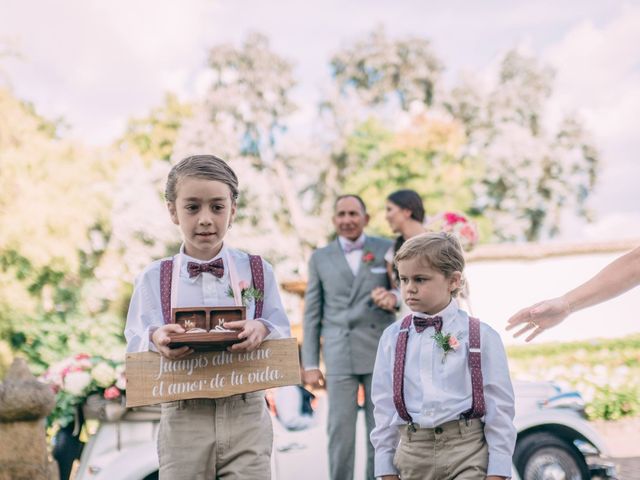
[605, 372]
[55, 206]
[154, 136]
[426, 157]
[522, 170]
[613, 404]
[380, 69]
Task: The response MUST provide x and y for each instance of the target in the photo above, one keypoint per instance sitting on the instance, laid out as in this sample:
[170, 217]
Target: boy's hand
[161, 339]
[253, 332]
[496, 477]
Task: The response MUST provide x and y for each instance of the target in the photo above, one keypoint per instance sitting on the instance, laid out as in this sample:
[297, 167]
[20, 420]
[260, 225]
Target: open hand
[160, 339]
[539, 317]
[253, 332]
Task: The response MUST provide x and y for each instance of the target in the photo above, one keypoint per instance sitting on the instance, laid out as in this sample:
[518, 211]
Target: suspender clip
[411, 427]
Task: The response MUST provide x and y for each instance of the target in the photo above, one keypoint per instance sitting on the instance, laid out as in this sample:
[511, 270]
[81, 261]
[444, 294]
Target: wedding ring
[533, 324]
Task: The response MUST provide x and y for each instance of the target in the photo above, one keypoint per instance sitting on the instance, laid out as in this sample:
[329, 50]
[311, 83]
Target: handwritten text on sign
[151, 378]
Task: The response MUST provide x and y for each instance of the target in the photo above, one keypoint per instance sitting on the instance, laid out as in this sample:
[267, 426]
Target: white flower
[104, 374]
[77, 382]
[121, 382]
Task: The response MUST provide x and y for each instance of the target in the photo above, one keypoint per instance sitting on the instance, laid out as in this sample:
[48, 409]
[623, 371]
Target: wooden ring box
[206, 318]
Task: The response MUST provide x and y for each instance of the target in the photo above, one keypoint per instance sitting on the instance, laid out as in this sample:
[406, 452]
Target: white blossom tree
[243, 118]
[533, 169]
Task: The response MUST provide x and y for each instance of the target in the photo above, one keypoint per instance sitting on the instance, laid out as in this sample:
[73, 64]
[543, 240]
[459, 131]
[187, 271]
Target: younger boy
[443, 399]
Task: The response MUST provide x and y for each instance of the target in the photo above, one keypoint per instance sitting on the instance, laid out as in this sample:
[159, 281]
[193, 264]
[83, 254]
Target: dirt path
[628, 468]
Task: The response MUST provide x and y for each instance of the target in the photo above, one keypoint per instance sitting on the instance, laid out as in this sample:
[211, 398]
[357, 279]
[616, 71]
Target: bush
[605, 372]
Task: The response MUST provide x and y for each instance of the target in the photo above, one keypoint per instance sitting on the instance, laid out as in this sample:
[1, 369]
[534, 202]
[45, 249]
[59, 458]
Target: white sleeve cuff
[499, 464]
[384, 464]
[274, 332]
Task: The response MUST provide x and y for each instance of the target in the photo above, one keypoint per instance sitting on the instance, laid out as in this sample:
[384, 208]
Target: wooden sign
[152, 379]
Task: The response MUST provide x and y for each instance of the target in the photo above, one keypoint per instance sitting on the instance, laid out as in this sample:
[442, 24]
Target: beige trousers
[229, 438]
[455, 450]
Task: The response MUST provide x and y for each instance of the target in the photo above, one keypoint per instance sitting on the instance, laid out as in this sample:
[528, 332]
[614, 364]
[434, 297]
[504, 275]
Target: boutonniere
[447, 342]
[247, 292]
[368, 256]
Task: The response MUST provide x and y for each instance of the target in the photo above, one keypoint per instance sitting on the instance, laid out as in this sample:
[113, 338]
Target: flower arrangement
[77, 377]
[465, 230]
[368, 257]
[447, 342]
[247, 292]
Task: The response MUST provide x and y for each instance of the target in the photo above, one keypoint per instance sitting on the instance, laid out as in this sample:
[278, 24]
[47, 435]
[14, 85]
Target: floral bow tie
[421, 323]
[353, 246]
[215, 267]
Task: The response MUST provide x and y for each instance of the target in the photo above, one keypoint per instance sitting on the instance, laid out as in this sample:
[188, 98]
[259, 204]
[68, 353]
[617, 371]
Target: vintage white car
[555, 442]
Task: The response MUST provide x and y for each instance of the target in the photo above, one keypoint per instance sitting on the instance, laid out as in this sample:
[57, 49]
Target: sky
[97, 63]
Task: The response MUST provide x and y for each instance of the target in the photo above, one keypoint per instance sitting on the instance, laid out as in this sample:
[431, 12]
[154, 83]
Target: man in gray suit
[339, 308]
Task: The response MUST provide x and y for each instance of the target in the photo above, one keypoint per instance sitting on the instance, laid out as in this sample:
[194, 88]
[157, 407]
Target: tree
[530, 171]
[243, 118]
[154, 136]
[535, 170]
[54, 215]
[381, 70]
[427, 156]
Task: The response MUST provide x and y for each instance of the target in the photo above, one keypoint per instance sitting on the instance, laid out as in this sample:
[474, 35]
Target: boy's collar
[447, 313]
[188, 258]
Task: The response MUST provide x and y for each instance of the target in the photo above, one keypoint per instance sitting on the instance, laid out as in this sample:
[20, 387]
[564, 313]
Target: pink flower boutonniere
[247, 292]
[447, 342]
[368, 257]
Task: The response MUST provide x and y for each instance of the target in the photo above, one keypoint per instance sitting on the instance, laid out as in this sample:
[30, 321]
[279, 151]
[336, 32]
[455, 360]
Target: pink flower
[453, 342]
[111, 393]
[451, 217]
[368, 257]
[243, 284]
[469, 233]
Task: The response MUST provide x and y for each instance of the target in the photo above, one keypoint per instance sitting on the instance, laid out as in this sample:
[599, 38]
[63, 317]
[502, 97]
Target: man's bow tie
[215, 267]
[353, 246]
[421, 323]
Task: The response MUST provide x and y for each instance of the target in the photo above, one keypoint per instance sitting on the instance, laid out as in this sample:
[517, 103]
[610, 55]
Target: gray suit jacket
[338, 307]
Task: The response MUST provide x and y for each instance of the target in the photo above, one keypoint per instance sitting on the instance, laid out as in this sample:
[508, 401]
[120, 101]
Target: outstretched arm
[616, 278]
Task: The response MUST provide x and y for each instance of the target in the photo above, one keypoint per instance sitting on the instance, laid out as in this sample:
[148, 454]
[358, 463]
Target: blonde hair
[201, 166]
[441, 250]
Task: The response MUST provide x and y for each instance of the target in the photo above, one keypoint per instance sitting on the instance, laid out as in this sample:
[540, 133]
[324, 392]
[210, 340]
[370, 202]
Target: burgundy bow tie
[215, 267]
[353, 246]
[421, 323]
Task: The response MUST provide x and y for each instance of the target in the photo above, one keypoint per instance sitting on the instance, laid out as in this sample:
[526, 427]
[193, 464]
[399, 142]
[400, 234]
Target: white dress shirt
[204, 290]
[354, 257]
[436, 392]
